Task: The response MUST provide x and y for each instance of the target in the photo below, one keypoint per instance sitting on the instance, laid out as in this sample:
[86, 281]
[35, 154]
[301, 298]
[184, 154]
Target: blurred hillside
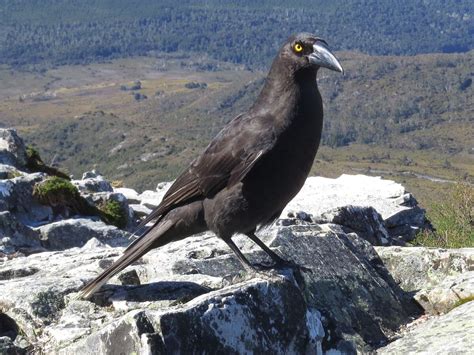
[43, 33]
[386, 114]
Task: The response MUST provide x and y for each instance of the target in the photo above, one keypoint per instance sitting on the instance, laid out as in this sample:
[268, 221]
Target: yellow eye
[298, 48]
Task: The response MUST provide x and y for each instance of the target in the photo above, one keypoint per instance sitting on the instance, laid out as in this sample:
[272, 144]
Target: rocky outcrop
[71, 233]
[340, 294]
[452, 333]
[28, 225]
[12, 149]
[91, 182]
[325, 199]
[438, 278]
[378, 210]
[194, 289]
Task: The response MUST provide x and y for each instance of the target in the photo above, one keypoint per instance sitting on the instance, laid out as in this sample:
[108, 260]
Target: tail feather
[136, 250]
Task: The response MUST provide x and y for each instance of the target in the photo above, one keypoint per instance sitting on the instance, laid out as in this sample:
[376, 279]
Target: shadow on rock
[177, 291]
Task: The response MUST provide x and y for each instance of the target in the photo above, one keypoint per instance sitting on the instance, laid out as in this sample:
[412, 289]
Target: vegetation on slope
[406, 118]
[453, 220]
[415, 113]
[247, 32]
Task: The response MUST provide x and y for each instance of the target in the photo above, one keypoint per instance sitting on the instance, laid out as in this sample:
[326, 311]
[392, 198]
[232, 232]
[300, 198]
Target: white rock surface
[437, 278]
[151, 199]
[140, 210]
[92, 182]
[193, 289]
[320, 195]
[452, 333]
[130, 194]
[399, 210]
[75, 232]
[447, 294]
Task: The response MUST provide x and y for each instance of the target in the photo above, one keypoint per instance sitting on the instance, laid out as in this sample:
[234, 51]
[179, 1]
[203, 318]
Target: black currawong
[251, 169]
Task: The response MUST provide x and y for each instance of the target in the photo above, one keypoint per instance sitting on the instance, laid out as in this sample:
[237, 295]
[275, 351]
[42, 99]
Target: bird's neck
[286, 89]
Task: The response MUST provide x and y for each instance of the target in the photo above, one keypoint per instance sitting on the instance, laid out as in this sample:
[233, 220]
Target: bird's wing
[225, 162]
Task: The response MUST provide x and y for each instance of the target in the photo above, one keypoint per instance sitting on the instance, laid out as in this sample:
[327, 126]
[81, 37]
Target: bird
[251, 169]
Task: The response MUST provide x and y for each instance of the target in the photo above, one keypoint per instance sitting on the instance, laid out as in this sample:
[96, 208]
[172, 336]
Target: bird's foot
[286, 264]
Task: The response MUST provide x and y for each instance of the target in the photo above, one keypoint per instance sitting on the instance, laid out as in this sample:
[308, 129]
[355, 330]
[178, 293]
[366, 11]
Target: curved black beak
[323, 57]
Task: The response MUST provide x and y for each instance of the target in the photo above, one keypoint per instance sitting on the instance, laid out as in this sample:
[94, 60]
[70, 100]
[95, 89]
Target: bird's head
[305, 50]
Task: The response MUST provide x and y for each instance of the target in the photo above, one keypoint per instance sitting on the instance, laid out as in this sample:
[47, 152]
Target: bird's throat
[287, 95]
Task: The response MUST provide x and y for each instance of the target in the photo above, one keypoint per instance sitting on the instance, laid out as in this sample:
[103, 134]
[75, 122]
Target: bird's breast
[281, 172]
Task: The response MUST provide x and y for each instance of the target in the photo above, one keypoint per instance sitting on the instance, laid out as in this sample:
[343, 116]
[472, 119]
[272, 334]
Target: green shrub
[32, 153]
[36, 164]
[453, 220]
[113, 213]
[56, 191]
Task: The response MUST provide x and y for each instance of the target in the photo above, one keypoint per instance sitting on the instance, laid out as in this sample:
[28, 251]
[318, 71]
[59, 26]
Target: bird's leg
[275, 257]
[243, 260]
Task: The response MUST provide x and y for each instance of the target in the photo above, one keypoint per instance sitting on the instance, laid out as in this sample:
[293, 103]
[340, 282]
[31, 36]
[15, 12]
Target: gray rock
[162, 187]
[15, 236]
[130, 194]
[16, 196]
[6, 346]
[379, 210]
[9, 172]
[71, 233]
[447, 294]
[99, 199]
[140, 210]
[437, 278]
[92, 182]
[365, 221]
[399, 210]
[452, 333]
[151, 199]
[103, 197]
[194, 291]
[12, 148]
[417, 268]
[236, 319]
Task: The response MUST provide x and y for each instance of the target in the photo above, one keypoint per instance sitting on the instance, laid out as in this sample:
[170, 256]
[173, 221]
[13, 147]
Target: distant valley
[141, 120]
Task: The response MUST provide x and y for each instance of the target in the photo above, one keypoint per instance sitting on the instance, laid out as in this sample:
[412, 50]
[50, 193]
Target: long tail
[136, 250]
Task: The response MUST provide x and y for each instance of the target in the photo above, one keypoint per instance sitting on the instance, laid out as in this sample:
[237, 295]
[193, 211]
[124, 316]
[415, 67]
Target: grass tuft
[453, 220]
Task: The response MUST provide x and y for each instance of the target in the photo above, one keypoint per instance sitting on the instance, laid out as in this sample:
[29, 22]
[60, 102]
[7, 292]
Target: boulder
[127, 216]
[130, 194]
[452, 333]
[12, 148]
[16, 196]
[449, 293]
[140, 210]
[151, 199]
[438, 278]
[15, 236]
[400, 213]
[417, 268]
[390, 215]
[92, 182]
[365, 221]
[76, 232]
[192, 296]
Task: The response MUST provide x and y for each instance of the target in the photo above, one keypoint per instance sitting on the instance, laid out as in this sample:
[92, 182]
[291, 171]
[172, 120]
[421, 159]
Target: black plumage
[252, 168]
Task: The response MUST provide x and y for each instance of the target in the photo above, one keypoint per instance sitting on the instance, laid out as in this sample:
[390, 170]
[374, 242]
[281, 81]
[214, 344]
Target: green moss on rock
[463, 301]
[62, 195]
[56, 191]
[113, 213]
